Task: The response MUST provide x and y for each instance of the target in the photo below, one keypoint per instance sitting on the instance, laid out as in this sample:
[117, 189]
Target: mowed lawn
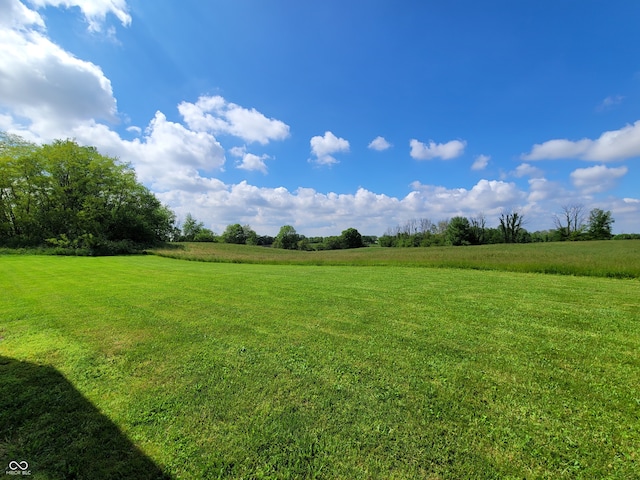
[208, 370]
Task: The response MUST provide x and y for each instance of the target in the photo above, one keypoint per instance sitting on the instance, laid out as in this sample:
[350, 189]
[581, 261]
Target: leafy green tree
[265, 240]
[333, 243]
[251, 237]
[387, 240]
[205, 235]
[234, 234]
[287, 238]
[459, 231]
[351, 238]
[191, 228]
[21, 190]
[66, 191]
[600, 224]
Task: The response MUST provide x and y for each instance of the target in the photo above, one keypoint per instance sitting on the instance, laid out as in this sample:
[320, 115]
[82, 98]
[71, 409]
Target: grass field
[616, 259]
[127, 367]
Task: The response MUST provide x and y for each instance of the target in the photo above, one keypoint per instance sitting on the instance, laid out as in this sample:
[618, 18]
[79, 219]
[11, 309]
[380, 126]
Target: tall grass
[265, 371]
[619, 259]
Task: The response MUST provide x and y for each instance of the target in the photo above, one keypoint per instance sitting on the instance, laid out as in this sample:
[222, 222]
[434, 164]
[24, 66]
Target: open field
[119, 367]
[617, 259]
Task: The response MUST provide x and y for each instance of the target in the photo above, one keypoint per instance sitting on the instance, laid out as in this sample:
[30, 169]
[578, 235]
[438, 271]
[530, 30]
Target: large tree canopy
[66, 193]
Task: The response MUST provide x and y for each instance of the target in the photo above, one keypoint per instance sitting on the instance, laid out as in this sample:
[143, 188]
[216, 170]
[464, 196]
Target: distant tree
[303, 244]
[369, 239]
[333, 243]
[511, 226]
[351, 238]
[493, 236]
[287, 238]
[264, 240]
[570, 222]
[600, 224]
[441, 226]
[205, 235]
[387, 240]
[459, 231]
[426, 225]
[234, 234]
[191, 228]
[250, 236]
[477, 229]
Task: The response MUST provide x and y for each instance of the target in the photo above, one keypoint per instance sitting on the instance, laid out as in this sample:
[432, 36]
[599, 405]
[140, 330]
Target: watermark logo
[18, 468]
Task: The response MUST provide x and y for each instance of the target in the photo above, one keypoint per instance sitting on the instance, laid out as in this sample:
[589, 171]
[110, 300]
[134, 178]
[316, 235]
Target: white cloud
[316, 213]
[596, 179]
[486, 196]
[481, 162]
[167, 156]
[14, 14]
[445, 151]
[323, 148]
[379, 144]
[251, 162]
[541, 189]
[94, 11]
[238, 151]
[526, 170]
[45, 87]
[610, 102]
[216, 115]
[610, 146]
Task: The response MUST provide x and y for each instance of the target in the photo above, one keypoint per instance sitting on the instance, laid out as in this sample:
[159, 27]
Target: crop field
[152, 367]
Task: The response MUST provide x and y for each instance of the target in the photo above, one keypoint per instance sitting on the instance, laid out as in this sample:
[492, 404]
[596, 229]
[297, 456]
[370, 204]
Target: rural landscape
[319, 240]
[222, 359]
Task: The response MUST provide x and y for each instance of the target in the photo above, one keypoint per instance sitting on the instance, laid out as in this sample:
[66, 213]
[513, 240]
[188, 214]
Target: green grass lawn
[110, 367]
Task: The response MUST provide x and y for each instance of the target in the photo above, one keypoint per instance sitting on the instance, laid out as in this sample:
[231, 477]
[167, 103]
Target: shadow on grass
[47, 423]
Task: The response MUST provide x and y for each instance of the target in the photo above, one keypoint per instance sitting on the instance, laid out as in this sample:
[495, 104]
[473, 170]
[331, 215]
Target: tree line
[571, 224]
[287, 238]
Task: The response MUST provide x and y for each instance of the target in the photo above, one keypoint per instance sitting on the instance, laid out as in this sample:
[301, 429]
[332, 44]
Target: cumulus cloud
[526, 170]
[485, 196]
[167, 156]
[379, 144]
[323, 148]
[214, 114]
[541, 189]
[14, 14]
[445, 151]
[43, 85]
[596, 179]
[481, 162]
[253, 162]
[613, 145]
[94, 11]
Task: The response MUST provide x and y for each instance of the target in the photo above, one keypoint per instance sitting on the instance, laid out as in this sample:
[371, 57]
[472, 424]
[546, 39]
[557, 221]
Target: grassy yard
[125, 366]
[617, 259]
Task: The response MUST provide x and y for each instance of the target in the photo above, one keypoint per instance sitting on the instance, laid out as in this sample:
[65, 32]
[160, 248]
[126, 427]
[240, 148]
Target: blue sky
[328, 115]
